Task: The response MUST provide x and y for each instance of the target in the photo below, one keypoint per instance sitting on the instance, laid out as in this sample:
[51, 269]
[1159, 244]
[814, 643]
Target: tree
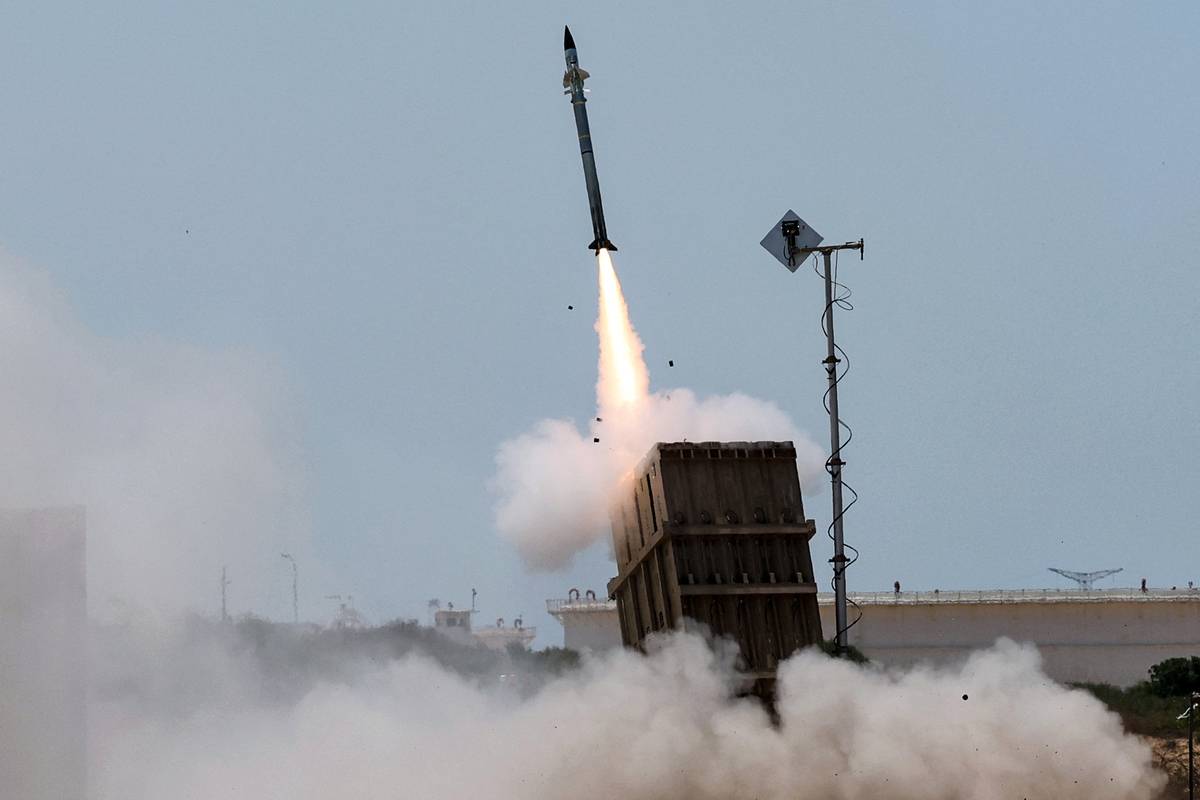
[1176, 677]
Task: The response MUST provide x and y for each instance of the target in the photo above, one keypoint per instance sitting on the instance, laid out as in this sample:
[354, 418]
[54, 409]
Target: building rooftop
[557, 607]
[579, 605]
[500, 637]
[990, 596]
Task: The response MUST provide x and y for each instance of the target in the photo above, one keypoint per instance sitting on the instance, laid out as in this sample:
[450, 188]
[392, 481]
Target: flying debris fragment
[573, 85]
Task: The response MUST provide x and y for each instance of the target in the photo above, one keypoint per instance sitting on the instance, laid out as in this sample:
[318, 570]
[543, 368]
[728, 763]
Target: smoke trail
[555, 482]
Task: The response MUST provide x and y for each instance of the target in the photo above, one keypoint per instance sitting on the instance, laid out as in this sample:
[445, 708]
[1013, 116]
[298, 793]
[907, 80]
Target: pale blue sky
[386, 199]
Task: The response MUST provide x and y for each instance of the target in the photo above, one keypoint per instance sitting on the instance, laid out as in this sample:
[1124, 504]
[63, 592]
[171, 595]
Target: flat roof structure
[589, 623]
[1084, 636]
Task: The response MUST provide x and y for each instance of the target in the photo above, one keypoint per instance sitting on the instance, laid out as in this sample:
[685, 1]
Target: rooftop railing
[582, 604]
[984, 596]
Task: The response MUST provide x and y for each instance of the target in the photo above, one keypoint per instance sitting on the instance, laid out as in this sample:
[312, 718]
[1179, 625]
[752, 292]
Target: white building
[43, 654]
[1100, 636]
[589, 623]
[500, 636]
[456, 624]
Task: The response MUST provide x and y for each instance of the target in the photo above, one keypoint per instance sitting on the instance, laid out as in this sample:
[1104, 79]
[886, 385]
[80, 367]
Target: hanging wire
[841, 299]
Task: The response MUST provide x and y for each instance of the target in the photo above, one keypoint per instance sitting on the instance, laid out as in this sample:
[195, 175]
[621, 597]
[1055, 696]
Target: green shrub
[1141, 710]
[1176, 677]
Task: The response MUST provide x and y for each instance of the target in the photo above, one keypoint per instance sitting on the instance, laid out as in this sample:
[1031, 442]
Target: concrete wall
[1094, 638]
[43, 672]
[1082, 639]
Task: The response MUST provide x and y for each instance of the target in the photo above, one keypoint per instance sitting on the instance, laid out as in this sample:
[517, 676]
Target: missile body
[573, 85]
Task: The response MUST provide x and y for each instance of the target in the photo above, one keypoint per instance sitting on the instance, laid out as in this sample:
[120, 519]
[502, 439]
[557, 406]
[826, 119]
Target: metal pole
[1191, 736]
[835, 462]
[295, 589]
[224, 583]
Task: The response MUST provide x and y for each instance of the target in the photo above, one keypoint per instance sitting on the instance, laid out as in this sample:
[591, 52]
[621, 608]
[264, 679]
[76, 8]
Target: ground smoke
[180, 453]
[662, 727]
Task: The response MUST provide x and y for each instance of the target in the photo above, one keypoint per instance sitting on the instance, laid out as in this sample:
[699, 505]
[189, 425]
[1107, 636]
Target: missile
[573, 85]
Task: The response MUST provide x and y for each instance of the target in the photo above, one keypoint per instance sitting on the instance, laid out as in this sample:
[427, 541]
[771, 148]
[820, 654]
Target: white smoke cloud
[555, 484]
[177, 452]
[662, 727]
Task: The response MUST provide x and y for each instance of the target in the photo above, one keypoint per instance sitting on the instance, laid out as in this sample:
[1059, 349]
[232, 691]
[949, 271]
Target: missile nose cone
[568, 42]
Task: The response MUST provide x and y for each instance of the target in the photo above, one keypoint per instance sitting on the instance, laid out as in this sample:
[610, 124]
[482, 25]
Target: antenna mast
[295, 589]
[1086, 580]
[224, 585]
[792, 241]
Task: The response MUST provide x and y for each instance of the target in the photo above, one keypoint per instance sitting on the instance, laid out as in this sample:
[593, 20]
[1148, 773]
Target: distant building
[1103, 636]
[456, 624]
[452, 619]
[348, 618]
[1099, 636]
[589, 624]
[500, 637]
[43, 654]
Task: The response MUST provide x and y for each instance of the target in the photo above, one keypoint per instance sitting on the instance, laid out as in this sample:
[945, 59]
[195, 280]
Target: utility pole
[224, 585]
[792, 241]
[295, 588]
[1193, 707]
[835, 463]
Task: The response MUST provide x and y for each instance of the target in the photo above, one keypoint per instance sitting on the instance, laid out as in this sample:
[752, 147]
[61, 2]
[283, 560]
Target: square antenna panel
[776, 240]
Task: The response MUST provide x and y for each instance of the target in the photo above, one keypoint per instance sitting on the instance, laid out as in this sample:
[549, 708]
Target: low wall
[1101, 637]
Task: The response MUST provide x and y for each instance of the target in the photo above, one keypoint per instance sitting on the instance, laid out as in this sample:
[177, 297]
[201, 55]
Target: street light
[295, 592]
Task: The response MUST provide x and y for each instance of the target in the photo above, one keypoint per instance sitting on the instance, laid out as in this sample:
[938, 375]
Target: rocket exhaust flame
[624, 383]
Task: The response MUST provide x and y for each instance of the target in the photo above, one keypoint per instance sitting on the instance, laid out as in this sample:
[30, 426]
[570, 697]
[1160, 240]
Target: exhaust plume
[555, 482]
[624, 381]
